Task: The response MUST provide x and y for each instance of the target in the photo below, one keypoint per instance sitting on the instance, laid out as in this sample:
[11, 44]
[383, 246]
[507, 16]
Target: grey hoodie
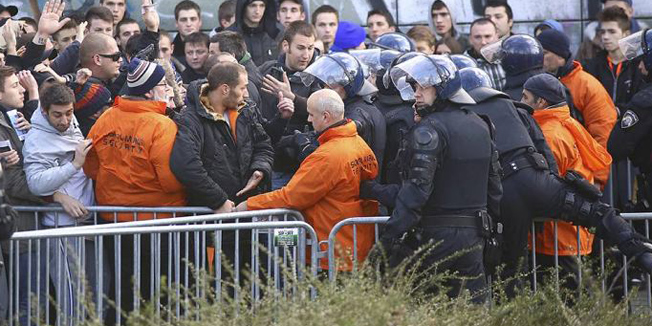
[455, 33]
[48, 165]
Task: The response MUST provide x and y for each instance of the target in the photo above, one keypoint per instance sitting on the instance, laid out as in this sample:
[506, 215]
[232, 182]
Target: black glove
[305, 143]
[641, 248]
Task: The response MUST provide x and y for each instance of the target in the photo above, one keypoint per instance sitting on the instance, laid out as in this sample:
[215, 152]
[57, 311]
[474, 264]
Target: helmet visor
[327, 70]
[419, 69]
[632, 46]
[369, 58]
[492, 52]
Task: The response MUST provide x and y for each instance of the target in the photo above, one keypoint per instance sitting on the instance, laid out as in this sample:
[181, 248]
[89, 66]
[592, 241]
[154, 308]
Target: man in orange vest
[575, 151]
[326, 186]
[589, 96]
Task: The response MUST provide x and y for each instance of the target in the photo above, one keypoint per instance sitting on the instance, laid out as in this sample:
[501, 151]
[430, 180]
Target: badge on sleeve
[629, 119]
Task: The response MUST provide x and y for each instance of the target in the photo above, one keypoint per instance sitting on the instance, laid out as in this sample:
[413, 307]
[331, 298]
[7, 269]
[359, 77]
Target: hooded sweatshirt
[48, 165]
[461, 38]
[262, 41]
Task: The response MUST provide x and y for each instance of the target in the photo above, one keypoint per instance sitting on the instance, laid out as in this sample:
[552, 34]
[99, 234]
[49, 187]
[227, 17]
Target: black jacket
[632, 135]
[399, 117]
[370, 124]
[621, 88]
[275, 126]
[262, 41]
[209, 162]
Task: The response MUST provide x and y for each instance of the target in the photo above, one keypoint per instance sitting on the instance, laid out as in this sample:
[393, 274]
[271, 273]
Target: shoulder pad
[484, 93]
[424, 138]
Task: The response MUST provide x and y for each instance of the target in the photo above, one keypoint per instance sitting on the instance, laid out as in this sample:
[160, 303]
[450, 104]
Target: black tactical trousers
[527, 194]
[457, 250]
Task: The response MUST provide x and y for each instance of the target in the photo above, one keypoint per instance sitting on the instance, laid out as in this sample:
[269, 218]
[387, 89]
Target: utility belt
[490, 231]
[530, 159]
[480, 220]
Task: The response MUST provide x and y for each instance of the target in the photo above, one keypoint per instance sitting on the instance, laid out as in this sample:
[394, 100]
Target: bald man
[100, 54]
[326, 186]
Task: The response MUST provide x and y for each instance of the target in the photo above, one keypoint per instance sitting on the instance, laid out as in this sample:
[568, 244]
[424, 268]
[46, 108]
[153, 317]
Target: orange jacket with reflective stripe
[574, 149]
[326, 190]
[130, 158]
[593, 101]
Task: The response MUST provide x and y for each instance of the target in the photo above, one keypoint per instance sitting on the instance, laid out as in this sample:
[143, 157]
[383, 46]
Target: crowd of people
[458, 138]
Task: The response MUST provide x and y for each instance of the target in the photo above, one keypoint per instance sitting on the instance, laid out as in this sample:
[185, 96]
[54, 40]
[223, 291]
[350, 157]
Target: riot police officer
[394, 41]
[344, 74]
[461, 61]
[449, 172]
[532, 189]
[632, 135]
[399, 115]
[521, 56]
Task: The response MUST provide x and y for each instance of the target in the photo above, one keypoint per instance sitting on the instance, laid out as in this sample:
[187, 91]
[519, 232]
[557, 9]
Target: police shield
[632, 46]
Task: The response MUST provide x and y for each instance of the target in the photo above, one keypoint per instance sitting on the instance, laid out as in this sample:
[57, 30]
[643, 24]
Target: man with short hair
[100, 20]
[65, 36]
[187, 16]
[221, 153]
[290, 11]
[256, 21]
[196, 49]
[225, 16]
[483, 32]
[233, 43]
[298, 53]
[441, 20]
[378, 23]
[118, 9]
[589, 97]
[621, 78]
[326, 19]
[54, 152]
[16, 190]
[501, 15]
[326, 186]
[125, 29]
[100, 54]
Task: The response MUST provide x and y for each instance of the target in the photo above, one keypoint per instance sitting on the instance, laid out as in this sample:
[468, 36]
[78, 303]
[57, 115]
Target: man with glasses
[99, 53]
[129, 162]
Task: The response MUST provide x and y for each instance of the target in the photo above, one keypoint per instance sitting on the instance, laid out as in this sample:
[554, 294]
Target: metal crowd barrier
[623, 275]
[75, 261]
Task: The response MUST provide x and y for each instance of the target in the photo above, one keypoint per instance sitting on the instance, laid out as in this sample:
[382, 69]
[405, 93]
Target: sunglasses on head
[115, 56]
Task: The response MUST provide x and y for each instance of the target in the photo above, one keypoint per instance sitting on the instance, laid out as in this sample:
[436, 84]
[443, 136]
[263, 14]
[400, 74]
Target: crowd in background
[100, 110]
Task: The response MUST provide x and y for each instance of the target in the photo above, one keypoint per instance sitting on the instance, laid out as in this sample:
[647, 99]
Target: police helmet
[394, 41]
[462, 61]
[517, 54]
[336, 69]
[637, 45]
[473, 78]
[431, 71]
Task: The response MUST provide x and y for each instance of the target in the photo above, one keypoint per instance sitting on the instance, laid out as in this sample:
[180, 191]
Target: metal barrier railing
[186, 241]
[645, 286]
[332, 262]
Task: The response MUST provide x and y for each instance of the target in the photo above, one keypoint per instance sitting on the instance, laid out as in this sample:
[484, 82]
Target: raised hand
[49, 22]
[150, 16]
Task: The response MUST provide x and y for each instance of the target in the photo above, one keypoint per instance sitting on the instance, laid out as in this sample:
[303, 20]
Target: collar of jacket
[344, 128]
[208, 109]
[571, 68]
[560, 111]
[245, 58]
[4, 122]
[139, 106]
